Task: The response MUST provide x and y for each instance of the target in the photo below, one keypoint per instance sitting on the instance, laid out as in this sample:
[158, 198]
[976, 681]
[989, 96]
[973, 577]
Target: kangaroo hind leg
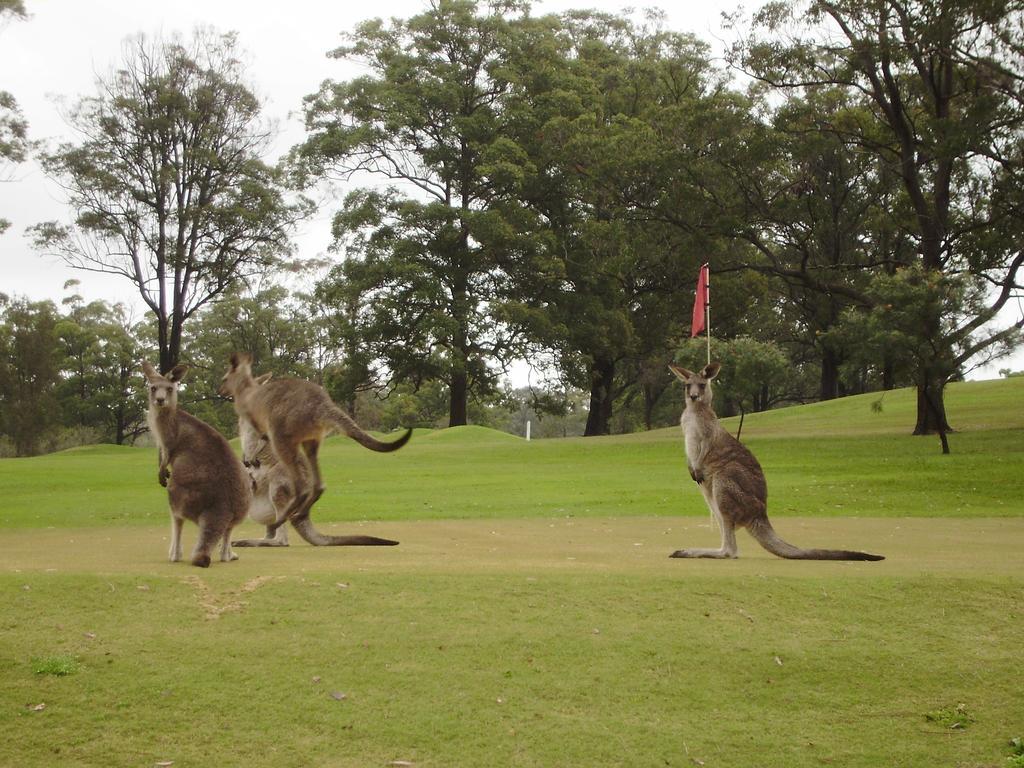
[311, 449]
[174, 555]
[728, 550]
[311, 482]
[205, 542]
[226, 555]
[293, 462]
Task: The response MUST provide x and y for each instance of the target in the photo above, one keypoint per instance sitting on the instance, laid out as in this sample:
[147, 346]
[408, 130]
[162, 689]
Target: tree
[13, 127]
[610, 287]
[429, 260]
[941, 108]
[820, 219]
[30, 365]
[101, 354]
[352, 373]
[168, 184]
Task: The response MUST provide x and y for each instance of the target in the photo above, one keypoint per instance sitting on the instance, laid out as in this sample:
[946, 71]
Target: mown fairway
[531, 616]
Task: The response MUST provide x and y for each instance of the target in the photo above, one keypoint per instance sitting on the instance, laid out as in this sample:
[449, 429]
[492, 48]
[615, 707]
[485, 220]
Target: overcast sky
[56, 54]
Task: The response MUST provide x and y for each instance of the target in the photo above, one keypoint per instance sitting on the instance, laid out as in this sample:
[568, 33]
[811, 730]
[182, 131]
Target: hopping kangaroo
[731, 479]
[205, 481]
[294, 417]
[272, 492]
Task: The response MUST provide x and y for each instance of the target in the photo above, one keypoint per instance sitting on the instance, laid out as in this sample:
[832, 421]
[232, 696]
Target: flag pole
[707, 307]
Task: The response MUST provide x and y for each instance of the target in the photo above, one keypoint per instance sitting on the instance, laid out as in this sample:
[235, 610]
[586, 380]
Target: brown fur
[205, 481]
[272, 492]
[294, 416]
[731, 479]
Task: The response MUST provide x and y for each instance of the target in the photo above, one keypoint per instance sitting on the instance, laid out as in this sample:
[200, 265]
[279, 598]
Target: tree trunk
[652, 394]
[119, 424]
[602, 377]
[829, 375]
[460, 312]
[650, 398]
[458, 398]
[458, 395]
[888, 374]
[163, 345]
[931, 410]
[174, 342]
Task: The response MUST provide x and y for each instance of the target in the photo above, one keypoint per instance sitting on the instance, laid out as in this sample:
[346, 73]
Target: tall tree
[612, 276]
[820, 222]
[941, 85]
[427, 259]
[168, 183]
[13, 127]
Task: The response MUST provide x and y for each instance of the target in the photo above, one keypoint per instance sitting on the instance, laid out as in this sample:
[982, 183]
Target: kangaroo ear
[148, 370]
[681, 373]
[178, 372]
[263, 379]
[711, 370]
[238, 359]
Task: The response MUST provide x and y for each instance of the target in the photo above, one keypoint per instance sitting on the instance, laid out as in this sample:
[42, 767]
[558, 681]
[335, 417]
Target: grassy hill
[972, 406]
[844, 457]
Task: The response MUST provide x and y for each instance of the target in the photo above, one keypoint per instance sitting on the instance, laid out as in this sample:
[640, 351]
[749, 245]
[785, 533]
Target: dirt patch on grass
[215, 604]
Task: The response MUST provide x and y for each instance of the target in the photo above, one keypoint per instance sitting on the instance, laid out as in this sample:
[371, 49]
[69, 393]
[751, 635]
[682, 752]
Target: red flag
[700, 303]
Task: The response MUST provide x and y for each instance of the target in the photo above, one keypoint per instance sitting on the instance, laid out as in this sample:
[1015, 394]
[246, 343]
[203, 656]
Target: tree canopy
[168, 185]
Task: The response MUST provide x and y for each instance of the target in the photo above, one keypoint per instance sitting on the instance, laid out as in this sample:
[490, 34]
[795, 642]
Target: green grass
[838, 458]
[549, 666]
[58, 666]
[531, 616]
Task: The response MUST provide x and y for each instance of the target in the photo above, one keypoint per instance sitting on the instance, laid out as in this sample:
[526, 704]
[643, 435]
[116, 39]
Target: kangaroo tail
[766, 536]
[345, 423]
[309, 532]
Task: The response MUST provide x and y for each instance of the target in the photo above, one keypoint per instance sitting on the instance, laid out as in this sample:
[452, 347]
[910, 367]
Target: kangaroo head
[698, 385]
[238, 377]
[163, 390]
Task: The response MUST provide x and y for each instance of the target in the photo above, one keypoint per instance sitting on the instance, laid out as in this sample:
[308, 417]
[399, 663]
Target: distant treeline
[70, 375]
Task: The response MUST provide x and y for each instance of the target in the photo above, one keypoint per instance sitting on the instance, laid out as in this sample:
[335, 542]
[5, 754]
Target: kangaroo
[731, 479]
[272, 492]
[295, 416]
[205, 481]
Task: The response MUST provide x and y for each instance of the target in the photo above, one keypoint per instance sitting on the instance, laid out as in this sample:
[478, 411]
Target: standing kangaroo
[294, 416]
[205, 481]
[272, 492]
[731, 479]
